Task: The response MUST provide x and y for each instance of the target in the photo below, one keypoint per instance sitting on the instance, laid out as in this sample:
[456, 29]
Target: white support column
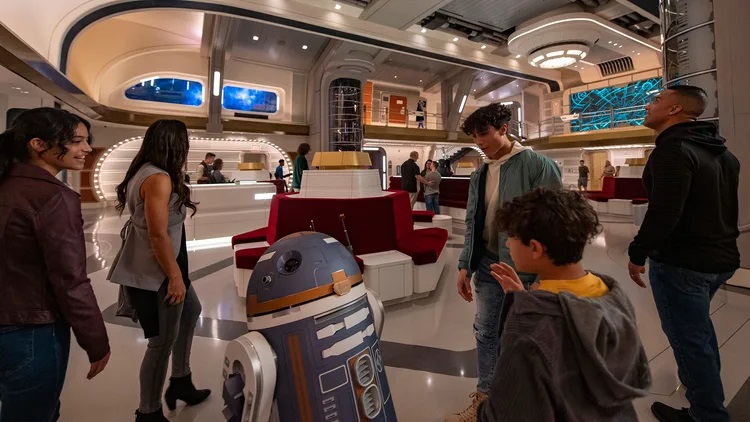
[732, 61]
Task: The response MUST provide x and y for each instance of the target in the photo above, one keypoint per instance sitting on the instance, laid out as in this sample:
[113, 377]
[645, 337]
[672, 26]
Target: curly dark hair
[303, 148]
[495, 115]
[561, 220]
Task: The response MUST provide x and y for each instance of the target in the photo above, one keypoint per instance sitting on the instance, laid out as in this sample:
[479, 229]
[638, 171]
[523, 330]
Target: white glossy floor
[443, 321]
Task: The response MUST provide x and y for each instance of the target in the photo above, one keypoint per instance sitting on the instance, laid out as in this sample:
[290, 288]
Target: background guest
[300, 165]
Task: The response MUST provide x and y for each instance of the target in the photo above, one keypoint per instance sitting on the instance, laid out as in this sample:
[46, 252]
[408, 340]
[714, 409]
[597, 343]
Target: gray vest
[136, 265]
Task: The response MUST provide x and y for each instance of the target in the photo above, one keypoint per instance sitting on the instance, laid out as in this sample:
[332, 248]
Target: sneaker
[665, 413]
[470, 413]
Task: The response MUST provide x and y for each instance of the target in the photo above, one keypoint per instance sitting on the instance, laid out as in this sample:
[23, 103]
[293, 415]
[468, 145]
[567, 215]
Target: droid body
[312, 353]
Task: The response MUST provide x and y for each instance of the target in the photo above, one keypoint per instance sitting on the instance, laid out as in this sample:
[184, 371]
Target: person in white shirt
[609, 170]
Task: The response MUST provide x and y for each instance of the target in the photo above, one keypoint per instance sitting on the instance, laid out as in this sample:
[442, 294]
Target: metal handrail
[524, 130]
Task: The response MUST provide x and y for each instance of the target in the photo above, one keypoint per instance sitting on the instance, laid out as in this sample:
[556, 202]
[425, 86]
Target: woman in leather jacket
[44, 287]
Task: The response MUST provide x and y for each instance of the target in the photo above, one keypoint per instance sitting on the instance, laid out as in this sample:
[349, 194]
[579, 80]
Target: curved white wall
[105, 44]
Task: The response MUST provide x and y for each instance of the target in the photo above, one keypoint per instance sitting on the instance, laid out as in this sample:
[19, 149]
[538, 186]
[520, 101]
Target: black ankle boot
[157, 416]
[183, 389]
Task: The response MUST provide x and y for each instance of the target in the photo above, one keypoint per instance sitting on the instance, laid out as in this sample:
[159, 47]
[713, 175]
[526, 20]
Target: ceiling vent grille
[623, 64]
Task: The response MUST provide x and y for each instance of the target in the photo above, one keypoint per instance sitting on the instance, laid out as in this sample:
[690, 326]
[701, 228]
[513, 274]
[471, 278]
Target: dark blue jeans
[32, 371]
[683, 298]
[431, 202]
[489, 296]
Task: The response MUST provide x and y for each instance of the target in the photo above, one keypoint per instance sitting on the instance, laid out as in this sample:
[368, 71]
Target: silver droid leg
[250, 379]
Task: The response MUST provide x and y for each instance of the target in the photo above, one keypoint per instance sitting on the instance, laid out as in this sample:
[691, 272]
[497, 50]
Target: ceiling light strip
[584, 20]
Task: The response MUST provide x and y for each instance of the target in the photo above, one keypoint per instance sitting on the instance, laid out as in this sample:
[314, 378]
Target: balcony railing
[605, 119]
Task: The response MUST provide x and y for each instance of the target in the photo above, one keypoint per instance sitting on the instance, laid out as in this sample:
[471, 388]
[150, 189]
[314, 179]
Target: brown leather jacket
[43, 263]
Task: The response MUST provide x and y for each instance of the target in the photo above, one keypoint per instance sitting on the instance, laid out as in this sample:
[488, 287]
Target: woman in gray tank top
[152, 266]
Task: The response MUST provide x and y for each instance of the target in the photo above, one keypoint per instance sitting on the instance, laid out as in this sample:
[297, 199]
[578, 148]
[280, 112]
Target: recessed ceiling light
[395, 76]
[423, 30]
[518, 56]
[337, 6]
[610, 42]
[475, 90]
[639, 54]
[455, 39]
[619, 46]
[633, 51]
[420, 80]
[304, 47]
[255, 38]
[484, 46]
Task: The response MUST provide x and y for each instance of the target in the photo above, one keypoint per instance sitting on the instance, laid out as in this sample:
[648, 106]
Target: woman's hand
[507, 277]
[98, 367]
[175, 291]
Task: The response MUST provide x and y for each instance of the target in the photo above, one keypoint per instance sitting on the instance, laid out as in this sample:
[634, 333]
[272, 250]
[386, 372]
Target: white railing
[605, 119]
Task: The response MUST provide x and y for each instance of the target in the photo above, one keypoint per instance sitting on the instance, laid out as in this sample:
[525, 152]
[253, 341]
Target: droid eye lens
[289, 262]
[291, 265]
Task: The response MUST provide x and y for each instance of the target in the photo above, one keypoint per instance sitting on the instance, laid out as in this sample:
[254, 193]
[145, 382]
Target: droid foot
[183, 389]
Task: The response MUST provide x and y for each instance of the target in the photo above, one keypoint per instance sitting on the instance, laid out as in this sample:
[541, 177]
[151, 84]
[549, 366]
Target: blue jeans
[32, 371]
[489, 296]
[431, 203]
[683, 298]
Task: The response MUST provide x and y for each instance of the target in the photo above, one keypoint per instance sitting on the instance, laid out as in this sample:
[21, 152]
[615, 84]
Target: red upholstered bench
[257, 235]
[248, 258]
[424, 246]
[607, 192]
[454, 191]
[376, 224]
[419, 216]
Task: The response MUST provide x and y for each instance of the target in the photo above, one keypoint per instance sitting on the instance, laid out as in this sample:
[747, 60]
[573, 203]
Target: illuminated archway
[113, 164]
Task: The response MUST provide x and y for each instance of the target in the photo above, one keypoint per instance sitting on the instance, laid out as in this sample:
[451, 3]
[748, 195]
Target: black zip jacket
[691, 180]
[409, 172]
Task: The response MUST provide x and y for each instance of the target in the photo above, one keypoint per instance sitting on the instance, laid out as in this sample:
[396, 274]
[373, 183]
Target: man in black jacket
[690, 236]
[409, 172]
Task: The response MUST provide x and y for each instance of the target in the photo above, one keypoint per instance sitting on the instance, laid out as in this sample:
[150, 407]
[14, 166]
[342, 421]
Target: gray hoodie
[568, 358]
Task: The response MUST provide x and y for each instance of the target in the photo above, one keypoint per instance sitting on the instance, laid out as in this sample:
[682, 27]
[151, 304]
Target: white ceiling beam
[451, 73]
[498, 83]
[400, 14]
[640, 10]
[612, 10]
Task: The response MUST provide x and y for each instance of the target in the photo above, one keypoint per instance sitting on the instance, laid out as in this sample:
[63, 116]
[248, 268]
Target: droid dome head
[300, 268]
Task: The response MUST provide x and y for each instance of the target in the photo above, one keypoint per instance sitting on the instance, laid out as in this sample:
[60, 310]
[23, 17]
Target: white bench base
[389, 274]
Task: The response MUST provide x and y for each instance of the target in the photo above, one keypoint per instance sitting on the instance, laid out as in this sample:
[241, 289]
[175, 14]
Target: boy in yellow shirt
[569, 349]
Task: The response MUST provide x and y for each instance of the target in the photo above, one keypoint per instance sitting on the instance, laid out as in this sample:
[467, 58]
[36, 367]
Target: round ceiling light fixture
[557, 56]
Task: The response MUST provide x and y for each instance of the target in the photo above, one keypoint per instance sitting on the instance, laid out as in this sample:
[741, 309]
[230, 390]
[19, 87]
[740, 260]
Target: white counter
[228, 209]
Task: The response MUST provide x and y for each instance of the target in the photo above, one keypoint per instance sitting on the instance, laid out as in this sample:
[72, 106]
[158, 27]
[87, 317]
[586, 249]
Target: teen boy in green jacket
[510, 170]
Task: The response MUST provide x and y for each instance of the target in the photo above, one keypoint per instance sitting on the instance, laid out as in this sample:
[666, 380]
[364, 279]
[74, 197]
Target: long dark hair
[165, 146]
[54, 126]
[303, 148]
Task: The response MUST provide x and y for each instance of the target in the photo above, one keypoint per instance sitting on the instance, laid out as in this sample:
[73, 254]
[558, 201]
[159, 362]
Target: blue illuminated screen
[247, 99]
[167, 90]
[635, 94]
